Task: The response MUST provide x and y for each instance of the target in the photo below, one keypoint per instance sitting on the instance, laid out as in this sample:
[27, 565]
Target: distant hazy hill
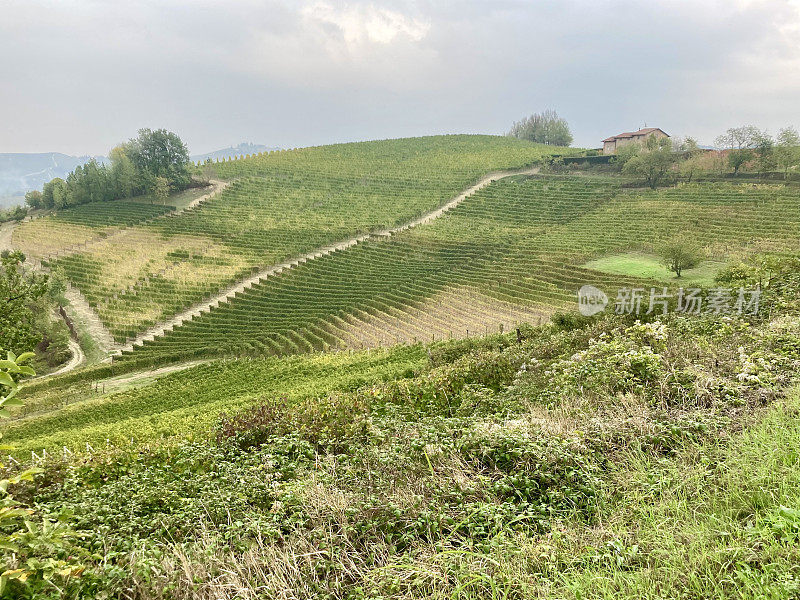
[20, 172]
[243, 148]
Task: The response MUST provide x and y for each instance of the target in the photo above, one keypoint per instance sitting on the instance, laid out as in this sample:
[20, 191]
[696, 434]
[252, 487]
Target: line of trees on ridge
[155, 162]
[745, 148]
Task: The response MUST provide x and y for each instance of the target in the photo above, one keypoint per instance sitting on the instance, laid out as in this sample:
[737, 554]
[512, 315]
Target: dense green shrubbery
[38, 554]
[330, 421]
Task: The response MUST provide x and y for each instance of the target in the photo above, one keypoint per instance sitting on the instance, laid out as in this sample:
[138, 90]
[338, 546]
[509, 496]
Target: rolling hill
[242, 149]
[279, 205]
[21, 172]
[357, 371]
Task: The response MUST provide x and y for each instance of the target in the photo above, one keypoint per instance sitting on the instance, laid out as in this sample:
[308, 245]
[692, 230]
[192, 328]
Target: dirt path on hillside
[120, 382]
[86, 315]
[207, 305]
[217, 186]
[6, 229]
[77, 359]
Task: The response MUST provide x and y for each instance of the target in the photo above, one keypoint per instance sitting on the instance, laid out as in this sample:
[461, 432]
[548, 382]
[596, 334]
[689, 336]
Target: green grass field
[649, 266]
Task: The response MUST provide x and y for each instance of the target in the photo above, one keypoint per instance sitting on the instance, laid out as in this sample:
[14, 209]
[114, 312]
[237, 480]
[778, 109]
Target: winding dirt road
[78, 358]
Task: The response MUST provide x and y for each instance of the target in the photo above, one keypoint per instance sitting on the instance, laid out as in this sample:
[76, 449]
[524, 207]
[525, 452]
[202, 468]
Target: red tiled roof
[630, 134]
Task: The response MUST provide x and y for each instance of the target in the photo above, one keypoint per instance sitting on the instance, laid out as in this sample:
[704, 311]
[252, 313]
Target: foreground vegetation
[28, 319]
[586, 458]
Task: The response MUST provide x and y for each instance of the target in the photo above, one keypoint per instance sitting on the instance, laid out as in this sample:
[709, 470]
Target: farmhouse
[614, 143]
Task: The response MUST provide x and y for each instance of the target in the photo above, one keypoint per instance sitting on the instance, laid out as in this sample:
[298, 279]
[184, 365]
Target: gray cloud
[79, 76]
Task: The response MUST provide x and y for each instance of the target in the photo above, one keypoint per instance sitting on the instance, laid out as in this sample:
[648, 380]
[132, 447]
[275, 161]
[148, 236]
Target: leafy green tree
[123, 172]
[740, 157]
[739, 137]
[624, 154]
[687, 147]
[160, 153]
[692, 159]
[34, 199]
[160, 189]
[54, 193]
[654, 163]
[765, 159]
[18, 213]
[787, 150]
[543, 128]
[741, 141]
[691, 167]
[680, 254]
[207, 172]
[18, 292]
[134, 168]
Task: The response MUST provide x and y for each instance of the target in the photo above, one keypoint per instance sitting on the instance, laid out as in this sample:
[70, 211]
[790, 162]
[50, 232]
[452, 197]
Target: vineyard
[281, 205]
[76, 226]
[188, 402]
[550, 362]
[398, 415]
[511, 253]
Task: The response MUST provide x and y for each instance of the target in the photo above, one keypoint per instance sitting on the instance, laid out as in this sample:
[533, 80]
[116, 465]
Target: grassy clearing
[45, 236]
[649, 266]
[722, 520]
[179, 200]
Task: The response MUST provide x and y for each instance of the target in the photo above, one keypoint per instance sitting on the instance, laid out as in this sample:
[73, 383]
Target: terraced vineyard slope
[281, 205]
[510, 253]
[75, 227]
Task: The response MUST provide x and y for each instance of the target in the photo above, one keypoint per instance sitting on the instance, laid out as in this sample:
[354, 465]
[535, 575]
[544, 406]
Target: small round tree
[680, 254]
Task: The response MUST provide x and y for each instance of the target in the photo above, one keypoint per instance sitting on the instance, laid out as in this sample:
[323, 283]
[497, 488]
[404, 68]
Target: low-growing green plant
[36, 551]
[333, 420]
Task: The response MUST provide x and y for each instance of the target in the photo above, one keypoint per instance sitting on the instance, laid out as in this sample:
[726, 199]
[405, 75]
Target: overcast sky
[78, 76]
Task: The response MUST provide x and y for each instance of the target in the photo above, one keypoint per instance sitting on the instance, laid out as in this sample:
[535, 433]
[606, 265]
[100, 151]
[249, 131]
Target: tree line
[155, 162]
[750, 145]
[543, 128]
[745, 148]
